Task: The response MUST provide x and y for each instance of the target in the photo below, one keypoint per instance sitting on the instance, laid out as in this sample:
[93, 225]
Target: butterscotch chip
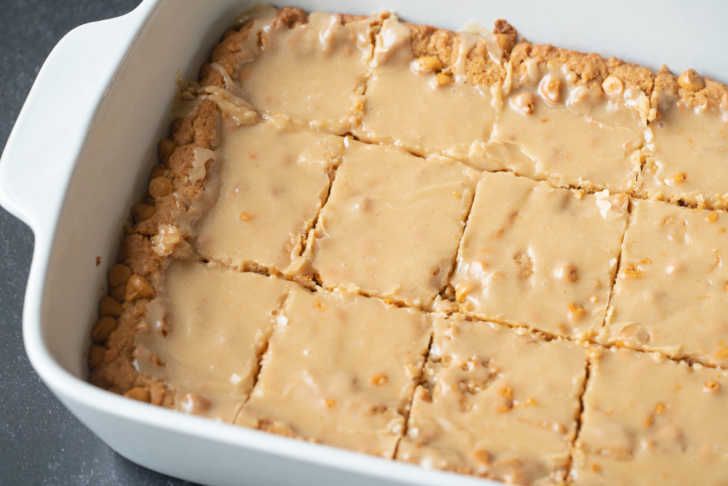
[478, 419]
[118, 293]
[531, 237]
[612, 86]
[524, 103]
[645, 417]
[691, 80]
[680, 178]
[109, 307]
[102, 329]
[569, 272]
[142, 212]
[676, 304]
[316, 372]
[384, 203]
[379, 379]
[431, 111]
[576, 312]
[483, 456]
[165, 149]
[160, 186]
[444, 79]
[138, 393]
[157, 393]
[550, 88]
[119, 274]
[209, 327]
[272, 184]
[96, 356]
[137, 287]
[429, 64]
[506, 392]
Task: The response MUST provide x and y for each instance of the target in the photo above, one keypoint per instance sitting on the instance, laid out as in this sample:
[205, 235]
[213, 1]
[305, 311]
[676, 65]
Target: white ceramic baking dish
[84, 143]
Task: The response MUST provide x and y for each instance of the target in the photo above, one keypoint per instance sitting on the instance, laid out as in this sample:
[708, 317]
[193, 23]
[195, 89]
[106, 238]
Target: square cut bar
[648, 420]
[571, 118]
[310, 67]
[433, 91]
[392, 223]
[671, 292]
[204, 332]
[272, 183]
[496, 404]
[339, 370]
[536, 255]
[688, 142]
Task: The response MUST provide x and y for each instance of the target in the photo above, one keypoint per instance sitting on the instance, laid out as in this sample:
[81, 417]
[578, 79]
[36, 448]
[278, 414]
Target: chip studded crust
[690, 89]
[480, 68]
[586, 67]
[150, 238]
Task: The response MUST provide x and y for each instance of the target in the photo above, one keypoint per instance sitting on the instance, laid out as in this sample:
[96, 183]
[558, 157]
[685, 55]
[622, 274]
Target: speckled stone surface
[40, 442]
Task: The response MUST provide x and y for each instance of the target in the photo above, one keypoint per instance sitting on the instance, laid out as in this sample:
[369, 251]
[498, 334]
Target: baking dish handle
[39, 156]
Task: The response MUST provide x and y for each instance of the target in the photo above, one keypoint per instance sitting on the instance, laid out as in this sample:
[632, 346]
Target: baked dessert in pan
[461, 250]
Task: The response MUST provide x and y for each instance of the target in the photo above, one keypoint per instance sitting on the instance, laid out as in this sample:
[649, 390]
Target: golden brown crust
[116, 371]
[586, 67]
[136, 252]
[199, 130]
[133, 280]
[480, 68]
[426, 40]
[229, 54]
[688, 88]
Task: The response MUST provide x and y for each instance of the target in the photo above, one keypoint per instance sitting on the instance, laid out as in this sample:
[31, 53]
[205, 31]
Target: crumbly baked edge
[439, 47]
[155, 234]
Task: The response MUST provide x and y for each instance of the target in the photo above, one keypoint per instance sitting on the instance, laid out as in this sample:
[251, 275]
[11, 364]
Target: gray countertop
[40, 442]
